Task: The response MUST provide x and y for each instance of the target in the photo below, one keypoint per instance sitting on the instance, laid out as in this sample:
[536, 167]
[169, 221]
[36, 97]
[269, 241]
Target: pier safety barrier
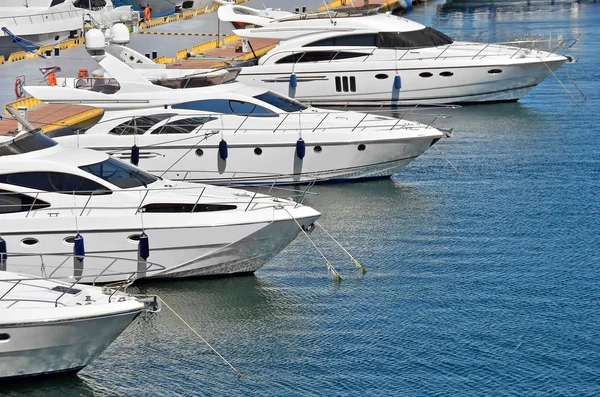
[184, 34]
[29, 103]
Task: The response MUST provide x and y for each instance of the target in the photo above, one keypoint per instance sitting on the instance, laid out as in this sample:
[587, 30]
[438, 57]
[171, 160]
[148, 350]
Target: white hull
[277, 163]
[59, 346]
[185, 252]
[467, 84]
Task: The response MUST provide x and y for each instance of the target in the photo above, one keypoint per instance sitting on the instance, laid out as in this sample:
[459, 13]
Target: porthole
[446, 74]
[4, 338]
[361, 147]
[381, 76]
[29, 241]
[425, 74]
[495, 71]
[318, 149]
[257, 151]
[199, 152]
[134, 238]
[69, 240]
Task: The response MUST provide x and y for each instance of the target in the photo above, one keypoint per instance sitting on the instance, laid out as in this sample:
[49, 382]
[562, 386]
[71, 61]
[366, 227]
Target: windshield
[279, 101]
[120, 174]
[26, 143]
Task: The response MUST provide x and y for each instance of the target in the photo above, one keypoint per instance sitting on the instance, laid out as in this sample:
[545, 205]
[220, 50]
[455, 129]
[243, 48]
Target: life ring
[19, 91]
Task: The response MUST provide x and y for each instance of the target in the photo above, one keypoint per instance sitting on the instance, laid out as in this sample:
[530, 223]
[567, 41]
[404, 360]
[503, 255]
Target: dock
[52, 116]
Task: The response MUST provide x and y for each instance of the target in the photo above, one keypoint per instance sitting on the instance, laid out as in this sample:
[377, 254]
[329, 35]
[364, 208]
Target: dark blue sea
[481, 282]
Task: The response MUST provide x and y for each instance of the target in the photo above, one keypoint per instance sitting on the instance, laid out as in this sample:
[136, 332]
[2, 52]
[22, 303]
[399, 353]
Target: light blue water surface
[480, 283]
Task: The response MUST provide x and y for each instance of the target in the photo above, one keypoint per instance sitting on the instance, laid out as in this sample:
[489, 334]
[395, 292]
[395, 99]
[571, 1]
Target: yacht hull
[184, 251]
[324, 83]
[43, 348]
[277, 163]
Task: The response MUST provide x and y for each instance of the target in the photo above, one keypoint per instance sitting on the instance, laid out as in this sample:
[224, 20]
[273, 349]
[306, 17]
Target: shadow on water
[52, 385]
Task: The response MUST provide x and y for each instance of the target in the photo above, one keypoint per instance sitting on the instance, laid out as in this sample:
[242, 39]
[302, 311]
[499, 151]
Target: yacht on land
[349, 58]
[52, 196]
[32, 23]
[270, 138]
[52, 326]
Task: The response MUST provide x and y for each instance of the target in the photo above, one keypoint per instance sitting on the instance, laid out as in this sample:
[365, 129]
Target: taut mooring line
[356, 262]
[200, 336]
[329, 265]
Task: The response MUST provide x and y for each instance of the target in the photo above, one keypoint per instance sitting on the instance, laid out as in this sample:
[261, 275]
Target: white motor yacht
[342, 58]
[48, 22]
[270, 138]
[51, 326]
[52, 196]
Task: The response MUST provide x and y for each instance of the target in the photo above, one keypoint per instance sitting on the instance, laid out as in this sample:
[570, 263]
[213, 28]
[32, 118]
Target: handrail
[454, 46]
[72, 280]
[310, 125]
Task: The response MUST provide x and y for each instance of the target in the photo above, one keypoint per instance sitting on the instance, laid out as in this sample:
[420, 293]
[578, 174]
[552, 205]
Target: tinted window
[226, 106]
[183, 126]
[316, 56]
[56, 2]
[279, 101]
[363, 40]
[52, 182]
[427, 37]
[28, 143]
[16, 202]
[120, 174]
[139, 125]
[182, 207]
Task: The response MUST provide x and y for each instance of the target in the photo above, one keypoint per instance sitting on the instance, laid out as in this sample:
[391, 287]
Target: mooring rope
[200, 336]
[356, 262]
[329, 265]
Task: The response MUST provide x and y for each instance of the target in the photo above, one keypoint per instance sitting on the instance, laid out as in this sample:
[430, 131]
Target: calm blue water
[480, 283]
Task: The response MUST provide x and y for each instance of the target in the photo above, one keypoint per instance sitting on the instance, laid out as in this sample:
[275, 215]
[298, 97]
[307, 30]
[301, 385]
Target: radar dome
[94, 39]
[120, 34]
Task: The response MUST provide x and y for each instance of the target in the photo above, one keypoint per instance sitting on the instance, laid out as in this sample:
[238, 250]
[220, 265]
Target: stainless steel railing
[69, 281]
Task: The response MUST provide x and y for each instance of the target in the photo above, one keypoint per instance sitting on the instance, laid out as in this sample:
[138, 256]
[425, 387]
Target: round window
[29, 241]
[361, 147]
[258, 151]
[318, 149]
[199, 152]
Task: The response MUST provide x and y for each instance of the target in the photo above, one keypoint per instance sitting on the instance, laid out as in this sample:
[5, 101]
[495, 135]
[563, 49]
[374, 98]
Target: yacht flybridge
[27, 23]
[53, 196]
[344, 58]
[232, 132]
